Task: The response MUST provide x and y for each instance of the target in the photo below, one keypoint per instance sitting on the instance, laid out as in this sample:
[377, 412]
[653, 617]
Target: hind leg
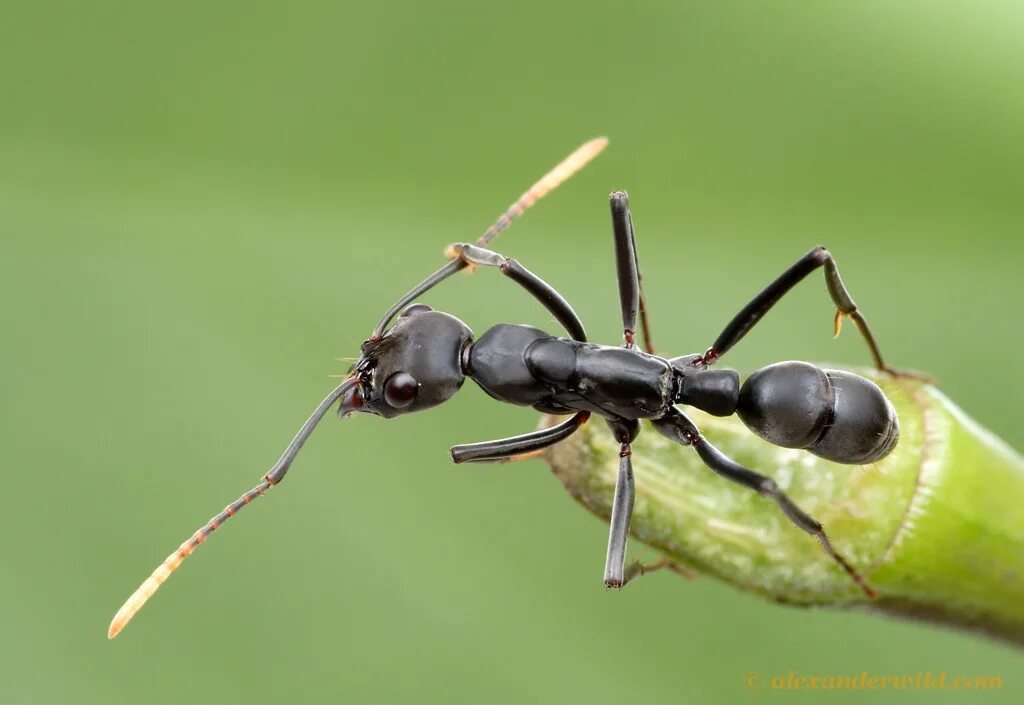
[754, 311]
[677, 427]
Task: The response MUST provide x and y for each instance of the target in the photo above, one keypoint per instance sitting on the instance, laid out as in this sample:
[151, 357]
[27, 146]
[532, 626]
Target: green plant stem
[937, 526]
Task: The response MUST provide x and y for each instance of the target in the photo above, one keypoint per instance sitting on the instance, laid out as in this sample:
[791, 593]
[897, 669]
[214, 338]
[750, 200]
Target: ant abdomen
[836, 415]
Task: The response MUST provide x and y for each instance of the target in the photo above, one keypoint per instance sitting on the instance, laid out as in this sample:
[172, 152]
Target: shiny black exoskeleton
[834, 414]
[425, 357]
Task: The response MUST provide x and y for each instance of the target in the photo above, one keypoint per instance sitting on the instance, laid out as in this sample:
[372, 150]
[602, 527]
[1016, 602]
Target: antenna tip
[115, 628]
[125, 614]
[119, 621]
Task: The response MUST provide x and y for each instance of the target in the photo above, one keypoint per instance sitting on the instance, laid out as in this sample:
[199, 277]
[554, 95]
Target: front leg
[505, 449]
[537, 287]
[545, 185]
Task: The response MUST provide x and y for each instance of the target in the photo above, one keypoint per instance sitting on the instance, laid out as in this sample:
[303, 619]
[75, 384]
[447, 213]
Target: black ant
[425, 357]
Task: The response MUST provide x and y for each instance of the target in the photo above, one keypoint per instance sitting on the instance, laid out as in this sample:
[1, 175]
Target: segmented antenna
[273, 476]
[547, 183]
[138, 598]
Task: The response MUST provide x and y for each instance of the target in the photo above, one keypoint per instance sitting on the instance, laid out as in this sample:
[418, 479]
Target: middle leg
[638, 569]
[631, 293]
[622, 504]
[622, 513]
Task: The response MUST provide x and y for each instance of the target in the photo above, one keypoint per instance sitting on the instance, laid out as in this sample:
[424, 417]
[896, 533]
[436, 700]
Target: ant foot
[908, 374]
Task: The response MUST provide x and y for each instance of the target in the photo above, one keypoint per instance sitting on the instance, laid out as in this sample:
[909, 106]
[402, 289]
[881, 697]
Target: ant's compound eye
[413, 309]
[400, 389]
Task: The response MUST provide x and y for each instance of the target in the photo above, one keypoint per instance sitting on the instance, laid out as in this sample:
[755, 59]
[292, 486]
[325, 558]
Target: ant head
[414, 365]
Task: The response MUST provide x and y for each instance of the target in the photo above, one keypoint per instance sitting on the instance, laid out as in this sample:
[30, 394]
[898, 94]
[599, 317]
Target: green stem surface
[937, 526]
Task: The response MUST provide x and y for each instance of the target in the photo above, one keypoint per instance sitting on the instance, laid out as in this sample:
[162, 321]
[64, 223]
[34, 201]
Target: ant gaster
[424, 358]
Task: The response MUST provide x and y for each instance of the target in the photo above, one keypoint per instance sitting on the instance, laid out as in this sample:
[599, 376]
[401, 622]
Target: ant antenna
[273, 476]
[545, 185]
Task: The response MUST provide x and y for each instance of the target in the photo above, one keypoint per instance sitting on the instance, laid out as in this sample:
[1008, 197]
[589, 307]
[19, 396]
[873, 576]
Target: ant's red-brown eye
[400, 389]
[413, 309]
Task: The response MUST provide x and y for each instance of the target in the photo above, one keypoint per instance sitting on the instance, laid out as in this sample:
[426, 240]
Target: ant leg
[645, 324]
[625, 431]
[748, 317]
[631, 296]
[638, 569]
[505, 448]
[545, 185]
[622, 513]
[626, 265]
[537, 287]
[463, 256]
[677, 427]
[530, 455]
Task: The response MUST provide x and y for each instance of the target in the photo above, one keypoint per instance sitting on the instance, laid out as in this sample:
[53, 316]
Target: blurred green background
[202, 204]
